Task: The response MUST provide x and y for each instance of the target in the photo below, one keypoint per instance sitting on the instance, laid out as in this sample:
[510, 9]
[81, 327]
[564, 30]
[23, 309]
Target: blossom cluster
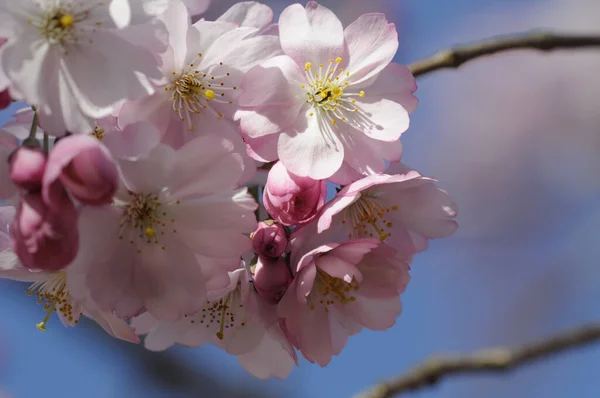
[125, 179]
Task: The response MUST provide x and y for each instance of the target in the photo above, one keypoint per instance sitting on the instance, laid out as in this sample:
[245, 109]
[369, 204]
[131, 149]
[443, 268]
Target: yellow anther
[150, 233]
[66, 21]
[361, 94]
[337, 92]
[307, 66]
[209, 94]
[333, 122]
[338, 60]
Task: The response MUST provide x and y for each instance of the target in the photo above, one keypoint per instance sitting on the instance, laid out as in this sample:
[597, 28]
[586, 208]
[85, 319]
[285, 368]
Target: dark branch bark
[486, 361]
[543, 41]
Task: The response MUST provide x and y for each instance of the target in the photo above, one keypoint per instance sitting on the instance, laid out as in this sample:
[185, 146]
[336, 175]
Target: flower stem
[46, 143]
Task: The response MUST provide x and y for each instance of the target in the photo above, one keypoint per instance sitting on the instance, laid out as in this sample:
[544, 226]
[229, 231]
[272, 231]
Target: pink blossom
[45, 238]
[233, 318]
[8, 144]
[290, 199]
[271, 278]
[405, 210]
[27, 166]
[84, 167]
[269, 239]
[55, 63]
[334, 104]
[52, 290]
[175, 228]
[236, 323]
[338, 289]
[202, 72]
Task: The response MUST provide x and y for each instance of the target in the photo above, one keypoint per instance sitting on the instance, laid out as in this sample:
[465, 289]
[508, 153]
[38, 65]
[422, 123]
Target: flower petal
[311, 148]
[372, 44]
[312, 34]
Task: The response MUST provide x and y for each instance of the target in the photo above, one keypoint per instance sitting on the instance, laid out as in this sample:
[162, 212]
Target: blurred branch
[543, 41]
[489, 360]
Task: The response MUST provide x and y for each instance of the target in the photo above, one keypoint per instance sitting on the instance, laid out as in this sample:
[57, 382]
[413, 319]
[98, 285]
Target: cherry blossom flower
[202, 71]
[290, 199]
[233, 318]
[177, 223]
[405, 210]
[57, 49]
[333, 106]
[338, 289]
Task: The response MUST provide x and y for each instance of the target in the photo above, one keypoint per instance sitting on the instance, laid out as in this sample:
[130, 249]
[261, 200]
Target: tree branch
[490, 360]
[543, 41]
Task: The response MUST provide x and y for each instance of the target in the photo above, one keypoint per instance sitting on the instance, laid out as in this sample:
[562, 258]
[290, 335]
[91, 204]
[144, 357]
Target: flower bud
[271, 279]
[290, 199]
[42, 238]
[84, 167]
[27, 167]
[269, 240]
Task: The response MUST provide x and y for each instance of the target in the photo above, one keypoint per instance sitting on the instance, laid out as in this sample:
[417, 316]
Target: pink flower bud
[27, 167]
[290, 199]
[84, 167]
[271, 279]
[42, 238]
[269, 240]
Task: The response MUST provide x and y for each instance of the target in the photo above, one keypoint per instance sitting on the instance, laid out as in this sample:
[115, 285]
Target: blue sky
[465, 293]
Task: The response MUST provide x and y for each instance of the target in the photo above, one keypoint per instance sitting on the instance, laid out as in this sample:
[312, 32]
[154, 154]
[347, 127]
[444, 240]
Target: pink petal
[311, 148]
[372, 44]
[248, 13]
[395, 83]
[313, 34]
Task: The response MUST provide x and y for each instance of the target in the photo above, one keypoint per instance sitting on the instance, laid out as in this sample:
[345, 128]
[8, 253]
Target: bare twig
[490, 360]
[543, 41]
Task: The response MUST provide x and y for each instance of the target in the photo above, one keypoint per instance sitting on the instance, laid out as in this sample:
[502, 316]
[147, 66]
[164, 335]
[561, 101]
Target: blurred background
[515, 138]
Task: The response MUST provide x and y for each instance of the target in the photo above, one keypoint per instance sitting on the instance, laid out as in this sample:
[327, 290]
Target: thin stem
[543, 41]
[433, 370]
[46, 143]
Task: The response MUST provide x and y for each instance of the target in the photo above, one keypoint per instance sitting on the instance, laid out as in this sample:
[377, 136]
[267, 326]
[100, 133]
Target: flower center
[367, 218]
[144, 214]
[325, 91]
[54, 296]
[329, 291]
[221, 315]
[193, 92]
[98, 133]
